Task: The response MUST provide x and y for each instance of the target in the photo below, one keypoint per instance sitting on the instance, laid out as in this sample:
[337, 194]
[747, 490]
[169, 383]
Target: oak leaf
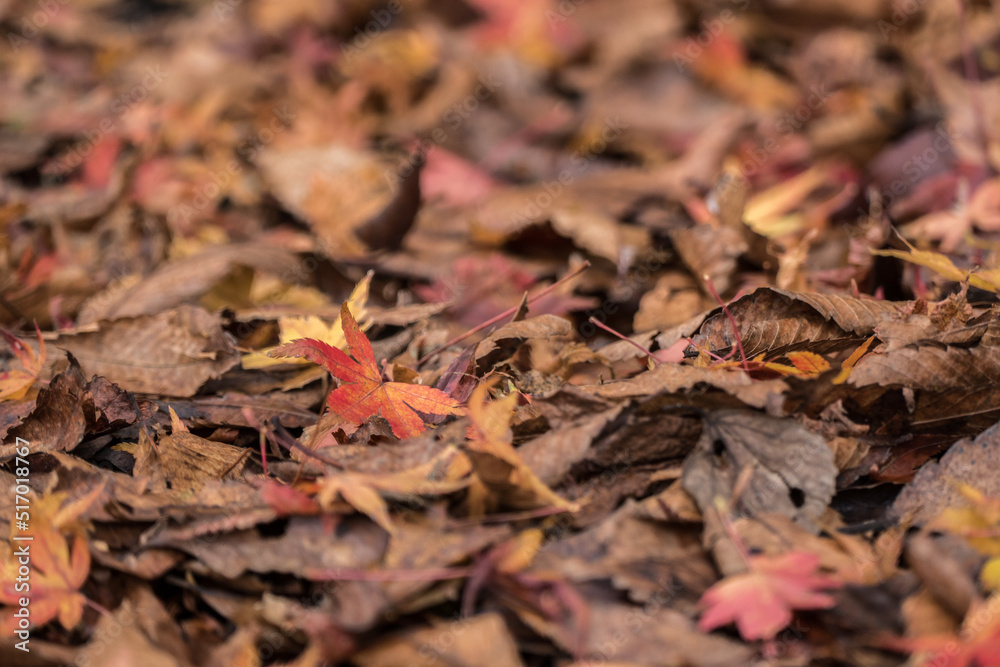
[761, 601]
[56, 570]
[362, 392]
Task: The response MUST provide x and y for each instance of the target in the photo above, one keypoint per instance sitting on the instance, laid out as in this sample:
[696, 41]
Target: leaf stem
[505, 314]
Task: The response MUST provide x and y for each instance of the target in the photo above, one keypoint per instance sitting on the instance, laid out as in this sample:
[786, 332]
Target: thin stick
[246, 453]
[358, 574]
[601, 325]
[284, 438]
[732, 320]
[505, 314]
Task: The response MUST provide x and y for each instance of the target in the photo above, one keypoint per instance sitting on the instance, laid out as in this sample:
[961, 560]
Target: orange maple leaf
[362, 391]
[761, 601]
[55, 571]
[15, 384]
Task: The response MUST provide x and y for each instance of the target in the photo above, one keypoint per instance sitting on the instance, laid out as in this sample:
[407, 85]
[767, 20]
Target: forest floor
[487, 332]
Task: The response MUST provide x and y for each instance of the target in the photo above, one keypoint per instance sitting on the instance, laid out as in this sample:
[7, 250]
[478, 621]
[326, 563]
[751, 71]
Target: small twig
[732, 321]
[357, 574]
[96, 606]
[641, 348]
[505, 314]
[246, 453]
[284, 438]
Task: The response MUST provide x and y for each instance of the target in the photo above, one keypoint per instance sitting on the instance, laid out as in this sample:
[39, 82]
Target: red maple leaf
[761, 601]
[362, 391]
[977, 644]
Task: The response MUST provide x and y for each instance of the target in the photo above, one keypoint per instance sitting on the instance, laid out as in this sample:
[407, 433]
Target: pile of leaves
[471, 332]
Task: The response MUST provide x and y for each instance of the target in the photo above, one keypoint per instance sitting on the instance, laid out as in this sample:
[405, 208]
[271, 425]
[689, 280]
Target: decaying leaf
[791, 470]
[774, 321]
[496, 463]
[172, 353]
[58, 422]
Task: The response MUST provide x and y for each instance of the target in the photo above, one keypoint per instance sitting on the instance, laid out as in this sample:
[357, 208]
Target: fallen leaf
[173, 352]
[761, 601]
[934, 489]
[774, 321]
[58, 570]
[310, 326]
[938, 263]
[977, 644]
[14, 385]
[481, 635]
[792, 469]
[58, 422]
[495, 461]
[362, 392]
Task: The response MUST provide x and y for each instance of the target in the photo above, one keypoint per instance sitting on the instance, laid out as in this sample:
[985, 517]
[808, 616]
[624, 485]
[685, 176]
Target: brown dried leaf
[951, 382]
[772, 320]
[673, 378]
[504, 342]
[58, 422]
[972, 462]
[304, 545]
[792, 468]
[185, 461]
[171, 353]
[482, 635]
[185, 279]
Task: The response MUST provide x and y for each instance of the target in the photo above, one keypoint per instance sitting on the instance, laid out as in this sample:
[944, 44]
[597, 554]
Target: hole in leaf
[274, 528]
[718, 447]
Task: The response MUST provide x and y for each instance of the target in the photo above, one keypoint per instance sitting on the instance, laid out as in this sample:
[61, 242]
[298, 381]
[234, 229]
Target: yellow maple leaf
[988, 280]
[979, 524]
[310, 326]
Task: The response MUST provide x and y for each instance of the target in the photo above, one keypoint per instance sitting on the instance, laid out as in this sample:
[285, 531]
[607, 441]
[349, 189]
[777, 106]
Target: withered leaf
[792, 469]
[171, 353]
[304, 545]
[710, 250]
[344, 195]
[503, 342]
[58, 422]
[971, 462]
[673, 378]
[185, 461]
[482, 635]
[773, 320]
[181, 280]
[951, 381]
[667, 637]
[107, 407]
